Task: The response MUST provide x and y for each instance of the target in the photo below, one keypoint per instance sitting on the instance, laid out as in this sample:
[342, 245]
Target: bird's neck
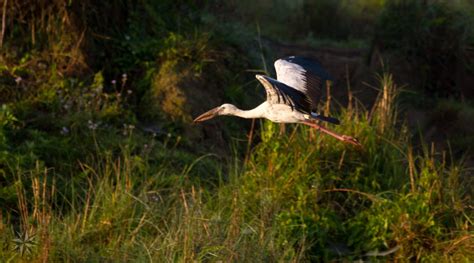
[250, 114]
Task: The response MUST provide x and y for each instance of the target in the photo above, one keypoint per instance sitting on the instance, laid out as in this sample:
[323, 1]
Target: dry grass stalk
[4, 21]
[384, 109]
[411, 168]
[328, 98]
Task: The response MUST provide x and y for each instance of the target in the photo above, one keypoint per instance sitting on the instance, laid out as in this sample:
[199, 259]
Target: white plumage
[291, 98]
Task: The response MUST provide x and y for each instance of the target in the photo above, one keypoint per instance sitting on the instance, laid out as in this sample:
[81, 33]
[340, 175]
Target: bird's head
[224, 109]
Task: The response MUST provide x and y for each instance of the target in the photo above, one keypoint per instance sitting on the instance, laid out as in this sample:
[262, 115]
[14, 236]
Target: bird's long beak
[207, 115]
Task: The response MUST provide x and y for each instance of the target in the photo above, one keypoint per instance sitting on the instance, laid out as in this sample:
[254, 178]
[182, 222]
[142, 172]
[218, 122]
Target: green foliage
[175, 76]
[84, 178]
[7, 122]
[300, 196]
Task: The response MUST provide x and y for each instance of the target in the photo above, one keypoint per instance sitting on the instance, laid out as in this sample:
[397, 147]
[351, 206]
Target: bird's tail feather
[326, 118]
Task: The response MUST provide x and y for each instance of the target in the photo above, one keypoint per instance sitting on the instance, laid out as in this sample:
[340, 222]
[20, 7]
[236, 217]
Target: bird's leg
[343, 138]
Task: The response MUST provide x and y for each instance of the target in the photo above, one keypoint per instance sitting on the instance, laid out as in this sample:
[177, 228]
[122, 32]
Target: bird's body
[280, 113]
[291, 98]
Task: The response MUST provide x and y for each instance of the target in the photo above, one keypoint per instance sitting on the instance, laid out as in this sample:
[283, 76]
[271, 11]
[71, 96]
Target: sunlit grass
[84, 178]
[300, 196]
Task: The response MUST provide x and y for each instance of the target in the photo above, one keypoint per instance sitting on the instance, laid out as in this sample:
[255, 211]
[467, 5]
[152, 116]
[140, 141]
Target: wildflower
[91, 125]
[106, 222]
[99, 89]
[127, 129]
[153, 197]
[67, 105]
[129, 91]
[113, 82]
[64, 131]
[124, 131]
[18, 80]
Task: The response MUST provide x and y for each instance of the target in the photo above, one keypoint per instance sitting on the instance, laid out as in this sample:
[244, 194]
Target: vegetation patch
[99, 160]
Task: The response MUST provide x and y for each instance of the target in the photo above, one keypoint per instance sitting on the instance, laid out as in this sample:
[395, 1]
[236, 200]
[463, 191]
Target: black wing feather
[303, 74]
[280, 93]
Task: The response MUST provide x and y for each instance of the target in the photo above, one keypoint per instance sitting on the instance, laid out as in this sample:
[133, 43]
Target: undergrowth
[98, 161]
[301, 196]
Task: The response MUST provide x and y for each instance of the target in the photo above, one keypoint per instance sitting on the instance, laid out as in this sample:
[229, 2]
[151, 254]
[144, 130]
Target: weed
[24, 243]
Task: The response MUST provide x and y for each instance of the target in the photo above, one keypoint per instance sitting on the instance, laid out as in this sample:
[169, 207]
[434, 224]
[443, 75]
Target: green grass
[301, 196]
[84, 177]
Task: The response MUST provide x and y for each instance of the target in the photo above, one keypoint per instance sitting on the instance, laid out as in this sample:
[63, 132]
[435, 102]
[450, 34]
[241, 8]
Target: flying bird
[291, 98]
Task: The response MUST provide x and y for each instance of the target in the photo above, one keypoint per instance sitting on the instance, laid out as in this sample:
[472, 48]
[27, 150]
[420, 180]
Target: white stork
[291, 98]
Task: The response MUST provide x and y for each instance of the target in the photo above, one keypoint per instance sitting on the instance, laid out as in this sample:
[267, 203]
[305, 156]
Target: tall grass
[300, 196]
[78, 181]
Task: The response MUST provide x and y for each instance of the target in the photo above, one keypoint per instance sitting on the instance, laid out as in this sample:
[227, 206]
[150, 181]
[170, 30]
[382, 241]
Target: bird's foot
[351, 140]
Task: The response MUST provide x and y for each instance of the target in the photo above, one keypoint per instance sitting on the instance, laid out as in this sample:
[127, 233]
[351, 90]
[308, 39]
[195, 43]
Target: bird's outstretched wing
[280, 93]
[303, 74]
